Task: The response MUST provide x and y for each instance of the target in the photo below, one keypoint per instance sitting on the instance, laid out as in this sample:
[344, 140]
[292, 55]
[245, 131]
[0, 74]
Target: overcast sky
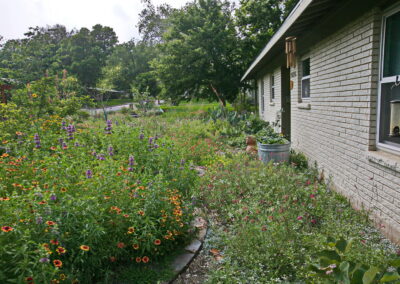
[122, 15]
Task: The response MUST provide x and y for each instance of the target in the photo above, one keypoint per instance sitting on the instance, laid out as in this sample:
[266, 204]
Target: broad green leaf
[390, 276]
[370, 275]
[357, 276]
[349, 244]
[395, 262]
[341, 245]
[330, 255]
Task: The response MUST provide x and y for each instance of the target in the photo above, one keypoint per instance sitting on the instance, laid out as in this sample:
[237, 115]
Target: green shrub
[268, 136]
[298, 160]
[59, 197]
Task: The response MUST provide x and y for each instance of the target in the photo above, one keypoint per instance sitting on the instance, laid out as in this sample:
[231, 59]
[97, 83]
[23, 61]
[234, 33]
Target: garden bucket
[278, 153]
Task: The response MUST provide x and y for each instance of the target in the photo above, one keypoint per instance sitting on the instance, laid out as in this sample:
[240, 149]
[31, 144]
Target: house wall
[336, 127]
[271, 107]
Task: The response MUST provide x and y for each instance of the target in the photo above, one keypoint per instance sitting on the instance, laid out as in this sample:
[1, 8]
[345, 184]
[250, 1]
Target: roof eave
[294, 15]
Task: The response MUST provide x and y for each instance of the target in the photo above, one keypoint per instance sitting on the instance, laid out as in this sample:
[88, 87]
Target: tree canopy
[198, 51]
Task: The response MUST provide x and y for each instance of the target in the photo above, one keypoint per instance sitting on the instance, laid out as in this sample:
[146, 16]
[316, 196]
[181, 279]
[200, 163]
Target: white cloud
[122, 15]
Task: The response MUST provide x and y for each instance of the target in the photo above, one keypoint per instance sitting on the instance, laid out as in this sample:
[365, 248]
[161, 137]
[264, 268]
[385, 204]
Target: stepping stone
[194, 246]
[202, 234]
[182, 261]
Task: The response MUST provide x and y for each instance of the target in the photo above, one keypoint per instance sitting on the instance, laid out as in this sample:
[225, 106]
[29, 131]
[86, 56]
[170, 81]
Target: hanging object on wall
[290, 49]
[395, 118]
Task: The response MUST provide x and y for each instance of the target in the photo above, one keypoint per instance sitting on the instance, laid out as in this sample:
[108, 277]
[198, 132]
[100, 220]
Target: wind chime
[290, 49]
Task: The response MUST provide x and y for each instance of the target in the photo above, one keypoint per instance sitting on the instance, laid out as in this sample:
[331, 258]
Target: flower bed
[277, 224]
[77, 201]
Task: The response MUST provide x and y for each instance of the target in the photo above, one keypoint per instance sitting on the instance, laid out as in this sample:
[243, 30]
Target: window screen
[391, 65]
[305, 81]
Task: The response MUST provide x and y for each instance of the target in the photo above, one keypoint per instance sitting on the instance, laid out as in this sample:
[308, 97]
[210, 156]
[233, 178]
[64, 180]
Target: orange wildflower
[50, 223]
[120, 245]
[157, 242]
[145, 259]
[131, 230]
[135, 246]
[84, 247]
[7, 229]
[61, 250]
[57, 263]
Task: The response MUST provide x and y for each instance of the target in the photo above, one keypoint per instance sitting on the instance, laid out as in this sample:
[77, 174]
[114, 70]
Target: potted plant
[272, 146]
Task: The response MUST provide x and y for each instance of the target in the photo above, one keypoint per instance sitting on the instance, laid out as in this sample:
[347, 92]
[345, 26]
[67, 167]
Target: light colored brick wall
[336, 127]
[272, 107]
[339, 129]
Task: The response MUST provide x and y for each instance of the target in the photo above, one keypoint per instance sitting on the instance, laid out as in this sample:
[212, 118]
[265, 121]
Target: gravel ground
[197, 271]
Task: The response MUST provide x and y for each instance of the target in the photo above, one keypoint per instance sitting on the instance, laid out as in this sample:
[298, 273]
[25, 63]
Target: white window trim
[304, 99]
[272, 87]
[262, 94]
[301, 89]
[382, 80]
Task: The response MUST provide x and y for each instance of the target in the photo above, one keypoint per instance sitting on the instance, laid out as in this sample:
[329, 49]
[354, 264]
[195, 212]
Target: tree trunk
[220, 98]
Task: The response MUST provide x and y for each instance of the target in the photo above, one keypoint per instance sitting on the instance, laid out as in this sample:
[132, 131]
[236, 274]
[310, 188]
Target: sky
[122, 15]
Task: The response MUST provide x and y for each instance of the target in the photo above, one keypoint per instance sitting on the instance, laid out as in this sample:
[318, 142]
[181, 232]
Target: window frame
[308, 77]
[384, 80]
[262, 93]
[272, 87]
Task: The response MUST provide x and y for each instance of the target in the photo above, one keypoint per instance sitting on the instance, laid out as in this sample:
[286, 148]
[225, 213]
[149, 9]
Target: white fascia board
[294, 15]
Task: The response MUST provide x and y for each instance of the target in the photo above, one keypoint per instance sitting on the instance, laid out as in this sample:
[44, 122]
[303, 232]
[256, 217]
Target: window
[389, 101]
[272, 87]
[305, 80]
[262, 95]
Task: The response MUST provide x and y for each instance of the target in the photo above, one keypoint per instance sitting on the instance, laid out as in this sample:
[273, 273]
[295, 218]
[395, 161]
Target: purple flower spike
[39, 220]
[151, 140]
[53, 197]
[141, 136]
[182, 162]
[77, 144]
[89, 174]
[108, 127]
[111, 151]
[100, 157]
[44, 260]
[36, 138]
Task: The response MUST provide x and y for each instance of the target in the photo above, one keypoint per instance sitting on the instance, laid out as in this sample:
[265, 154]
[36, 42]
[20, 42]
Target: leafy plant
[333, 264]
[268, 136]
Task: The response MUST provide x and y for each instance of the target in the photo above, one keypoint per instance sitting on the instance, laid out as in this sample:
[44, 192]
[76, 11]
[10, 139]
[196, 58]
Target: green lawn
[116, 102]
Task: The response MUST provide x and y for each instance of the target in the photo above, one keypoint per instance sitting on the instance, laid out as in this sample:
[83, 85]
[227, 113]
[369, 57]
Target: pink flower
[313, 221]
[300, 218]
[312, 196]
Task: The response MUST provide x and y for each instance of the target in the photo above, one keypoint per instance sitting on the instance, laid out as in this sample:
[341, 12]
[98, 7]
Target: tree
[199, 56]
[128, 67]
[153, 22]
[257, 22]
[85, 53]
[30, 58]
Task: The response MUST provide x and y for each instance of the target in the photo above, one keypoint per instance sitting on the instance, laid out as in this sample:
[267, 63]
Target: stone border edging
[182, 261]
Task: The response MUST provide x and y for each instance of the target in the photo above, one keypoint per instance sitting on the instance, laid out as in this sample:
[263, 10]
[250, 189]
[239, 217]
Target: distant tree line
[198, 51]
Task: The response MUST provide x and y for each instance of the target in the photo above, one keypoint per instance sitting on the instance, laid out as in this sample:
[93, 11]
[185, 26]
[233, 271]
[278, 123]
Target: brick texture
[338, 132]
